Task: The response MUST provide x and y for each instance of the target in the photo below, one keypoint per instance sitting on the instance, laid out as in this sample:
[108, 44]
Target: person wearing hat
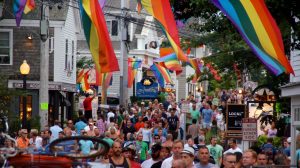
[155, 151]
[287, 148]
[187, 155]
[128, 152]
[23, 141]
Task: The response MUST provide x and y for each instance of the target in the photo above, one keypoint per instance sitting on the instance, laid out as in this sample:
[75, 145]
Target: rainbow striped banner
[162, 74]
[97, 36]
[133, 65]
[162, 12]
[20, 7]
[256, 25]
[170, 62]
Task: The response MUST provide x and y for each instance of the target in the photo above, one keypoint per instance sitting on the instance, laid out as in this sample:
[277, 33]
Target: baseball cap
[188, 150]
[289, 140]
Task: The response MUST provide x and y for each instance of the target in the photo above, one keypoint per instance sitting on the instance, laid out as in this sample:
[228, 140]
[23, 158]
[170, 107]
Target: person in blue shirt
[80, 125]
[207, 115]
[86, 145]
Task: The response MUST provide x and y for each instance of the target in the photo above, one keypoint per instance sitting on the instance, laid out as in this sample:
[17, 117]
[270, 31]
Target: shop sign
[147, 91]
[249, 129]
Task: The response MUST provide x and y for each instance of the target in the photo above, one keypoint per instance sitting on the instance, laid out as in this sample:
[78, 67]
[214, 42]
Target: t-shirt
[109, 141]
[141, 149]
[215, 152]
[172, 121]
[209, 165]
[87, 103]
[207, 115]
[79, 126]
[148, 163]
[195, 114]
[85, 146]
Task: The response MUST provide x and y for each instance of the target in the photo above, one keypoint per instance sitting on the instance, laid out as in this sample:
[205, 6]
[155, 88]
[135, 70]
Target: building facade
[23, 43]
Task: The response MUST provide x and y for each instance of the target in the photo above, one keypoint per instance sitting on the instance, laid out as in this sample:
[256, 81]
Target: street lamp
[24, 69]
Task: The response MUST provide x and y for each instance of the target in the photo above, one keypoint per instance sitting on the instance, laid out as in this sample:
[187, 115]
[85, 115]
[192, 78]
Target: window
[66, 55]
[112, 26]
[28, 106]
[73, 54]
[6, 46]
[51, 44]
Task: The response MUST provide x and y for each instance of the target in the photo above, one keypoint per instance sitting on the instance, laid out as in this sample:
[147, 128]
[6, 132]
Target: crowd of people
[150, 135]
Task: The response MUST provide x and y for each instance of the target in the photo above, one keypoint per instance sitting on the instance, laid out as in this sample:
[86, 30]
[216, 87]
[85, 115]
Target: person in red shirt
[139, 124]
[87, 105]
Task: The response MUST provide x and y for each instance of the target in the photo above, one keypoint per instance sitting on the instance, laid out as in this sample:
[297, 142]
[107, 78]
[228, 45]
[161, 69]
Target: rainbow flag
[133, 65]
[162, 74]
[256, 25]
[80, 75]
[195, 64]
[170, 62]
[104, 78]
[84, 81]
[20, 7]
[162, 12]
[97, 36]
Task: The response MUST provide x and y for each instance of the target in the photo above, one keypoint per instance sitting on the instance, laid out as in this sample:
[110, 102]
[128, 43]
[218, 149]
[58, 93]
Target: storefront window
[28, 106]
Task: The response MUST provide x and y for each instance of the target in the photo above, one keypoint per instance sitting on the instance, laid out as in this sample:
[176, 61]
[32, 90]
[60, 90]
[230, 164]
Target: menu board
[234, 116]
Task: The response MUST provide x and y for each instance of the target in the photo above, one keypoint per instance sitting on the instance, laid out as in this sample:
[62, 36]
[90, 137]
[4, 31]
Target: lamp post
[24, 69]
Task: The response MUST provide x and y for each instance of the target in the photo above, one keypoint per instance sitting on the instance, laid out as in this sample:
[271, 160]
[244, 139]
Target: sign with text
[249, 129]
[144, 91]
[234, 116]
[185, 107]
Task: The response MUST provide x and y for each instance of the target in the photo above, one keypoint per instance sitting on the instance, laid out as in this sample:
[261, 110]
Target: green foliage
[262, 139]
[84, 62]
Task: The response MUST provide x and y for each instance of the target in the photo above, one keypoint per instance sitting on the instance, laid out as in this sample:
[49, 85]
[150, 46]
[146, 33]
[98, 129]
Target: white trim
[10, 32]
[290, 91]
[30, 23]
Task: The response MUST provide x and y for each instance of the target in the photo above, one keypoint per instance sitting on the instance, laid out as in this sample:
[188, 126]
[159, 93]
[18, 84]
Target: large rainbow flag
[20, 7]
[256, 25]
[97, 36]
[162, 12]
[133, 65]
[162, 74]
[170, 62]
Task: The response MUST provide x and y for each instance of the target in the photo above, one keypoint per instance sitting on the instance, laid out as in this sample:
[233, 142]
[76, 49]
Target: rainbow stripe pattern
[162, 12]
[97, 36]
[258, 28]
[170, 62]
[133, 65]
[20, 7]
[162, 74]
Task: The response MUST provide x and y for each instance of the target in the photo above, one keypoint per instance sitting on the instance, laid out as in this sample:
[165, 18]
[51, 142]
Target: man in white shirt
[109, 115]
[55, 129]
[155, 153]
[35, 141]
[176, 150]
[233, 147]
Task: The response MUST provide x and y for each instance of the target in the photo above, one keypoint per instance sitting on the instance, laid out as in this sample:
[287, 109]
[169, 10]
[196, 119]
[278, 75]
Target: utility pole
[123, 57]
[44, 66]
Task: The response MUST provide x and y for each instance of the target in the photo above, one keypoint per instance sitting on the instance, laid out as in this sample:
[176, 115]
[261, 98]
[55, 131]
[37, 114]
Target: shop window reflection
[28, 107]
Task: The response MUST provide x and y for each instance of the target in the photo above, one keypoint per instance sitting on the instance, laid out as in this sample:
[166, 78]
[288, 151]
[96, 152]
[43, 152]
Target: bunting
[162, 12]
[97, 36]
[256, 25]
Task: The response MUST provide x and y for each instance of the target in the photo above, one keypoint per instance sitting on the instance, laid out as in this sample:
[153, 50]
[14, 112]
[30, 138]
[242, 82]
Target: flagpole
[123, 58]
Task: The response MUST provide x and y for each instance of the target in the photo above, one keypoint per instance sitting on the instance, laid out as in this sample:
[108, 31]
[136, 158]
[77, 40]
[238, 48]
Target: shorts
[206, 125]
